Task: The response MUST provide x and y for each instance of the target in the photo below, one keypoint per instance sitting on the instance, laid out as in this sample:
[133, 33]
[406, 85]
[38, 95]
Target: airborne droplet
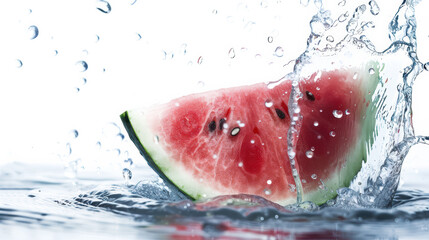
[371, 71]
[270, 39]
[200, 60]
[278, 52]
[330, 38]
[33, 32]
[337, 113]
[156, 139]
[231, 53]
[74, 133]
[18, 63]
[82, 66]
[374, 8]
[104, 6]
[426, 66]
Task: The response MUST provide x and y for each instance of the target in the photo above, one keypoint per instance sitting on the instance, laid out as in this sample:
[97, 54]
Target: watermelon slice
[234, 141]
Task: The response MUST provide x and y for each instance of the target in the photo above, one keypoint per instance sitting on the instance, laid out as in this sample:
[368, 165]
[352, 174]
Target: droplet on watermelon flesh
[249, 155]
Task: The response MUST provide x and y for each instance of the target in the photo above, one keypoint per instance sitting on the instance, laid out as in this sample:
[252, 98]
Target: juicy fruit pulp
[233, 140]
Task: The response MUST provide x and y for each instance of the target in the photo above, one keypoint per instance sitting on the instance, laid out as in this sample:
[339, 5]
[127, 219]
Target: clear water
[57, 200]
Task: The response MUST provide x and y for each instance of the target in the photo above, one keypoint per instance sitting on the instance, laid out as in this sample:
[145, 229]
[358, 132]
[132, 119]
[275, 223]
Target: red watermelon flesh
[232, 141]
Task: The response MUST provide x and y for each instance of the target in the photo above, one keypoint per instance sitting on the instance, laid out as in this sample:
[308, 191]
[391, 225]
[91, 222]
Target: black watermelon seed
[310, 96]
[280, 113]
[221, 122]
[212, 126]
[235, 131]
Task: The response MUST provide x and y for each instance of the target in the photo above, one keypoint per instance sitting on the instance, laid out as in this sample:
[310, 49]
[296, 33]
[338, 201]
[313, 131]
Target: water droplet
[267, 191]
[342, 3]
[201, 84]
[82, 66]
[138, 36]
[33, 32]
[129, 161]
[240, 124]
[343, 17]
[278, 52]
[74, 133]
[347, 112]
[84, 80]
[156, 139]
[292, 188]
[127, 174]
[332, 134]
[314, 176]
[316, 123]
[269, 182]
[231, 53]
[426, 66]
[18, 63]
[319, 137]
[133, 2]
[117, 151]
[304, 2]
[371, 71]
[214, 156]
[240, 164]
[309, 154]
[330, 38]
[252, 141]
[337, 113]
[268, 103]
[374, 8]
[104, 6]
[120, 136]
[200, 60]
[97, 38]
[270, 39]
[68, 149]
[313, 149]
[55, 52]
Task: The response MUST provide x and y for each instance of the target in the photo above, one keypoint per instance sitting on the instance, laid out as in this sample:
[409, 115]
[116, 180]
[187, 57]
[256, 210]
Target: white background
[147, 52]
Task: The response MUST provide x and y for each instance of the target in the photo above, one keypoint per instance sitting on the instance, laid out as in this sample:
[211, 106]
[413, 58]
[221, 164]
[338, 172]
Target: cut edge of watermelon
[353, 165]
[140, 134]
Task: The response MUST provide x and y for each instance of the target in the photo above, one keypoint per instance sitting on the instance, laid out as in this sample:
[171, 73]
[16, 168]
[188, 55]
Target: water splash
[393, 135]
